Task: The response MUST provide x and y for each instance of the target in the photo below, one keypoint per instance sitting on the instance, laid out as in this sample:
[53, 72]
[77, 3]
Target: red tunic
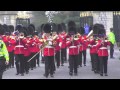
[102, 51]
[35, 42]
[49, 49]
[83, 43]
[26, 42]
[62, 40]
[93, 50]
[57, 47]
[12, 43]
[72, 46]
[19, 48]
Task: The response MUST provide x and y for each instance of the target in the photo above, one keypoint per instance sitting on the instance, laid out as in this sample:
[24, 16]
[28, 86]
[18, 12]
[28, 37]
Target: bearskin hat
[59, 28]
[5, 27]
[11, 27]
[25, 31]
[54, 27]
[99, 30]
[32, 25]
[1, 30]
[63, 26]
[72, 30]
[47, 28]
[71, 24]
[82, 30]
[31, 30]
[18, 27]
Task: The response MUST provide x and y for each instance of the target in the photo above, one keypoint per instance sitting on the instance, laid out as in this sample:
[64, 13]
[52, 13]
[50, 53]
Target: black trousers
[33, 61]
[111, 50]
[37, 58]
[103, 64]
[49, 65]
[95, 62]
[2, 66]
[63, 55]
[26, 63]
[73, 60]
[11, 60]
[57, 58]
[80, 57]
[19, 61]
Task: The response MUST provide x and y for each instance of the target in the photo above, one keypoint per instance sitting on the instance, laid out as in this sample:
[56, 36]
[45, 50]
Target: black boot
[101, 74]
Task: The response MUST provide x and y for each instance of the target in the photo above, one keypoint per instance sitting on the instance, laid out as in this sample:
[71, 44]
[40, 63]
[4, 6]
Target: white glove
[49, 43]
[60, 44]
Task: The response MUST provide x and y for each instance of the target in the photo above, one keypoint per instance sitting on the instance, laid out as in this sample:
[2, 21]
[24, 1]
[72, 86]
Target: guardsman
[62, 44]
[38, 43]
[48, 51]
[34, 49]
[10, 47]
[26, 41]
[65, 34]
[102, 48]
[94, 54]
[83, 46]
[57, 47]
[72, 44]
[19, 52]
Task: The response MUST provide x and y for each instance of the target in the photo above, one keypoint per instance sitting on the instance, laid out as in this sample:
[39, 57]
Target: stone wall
[105, 18]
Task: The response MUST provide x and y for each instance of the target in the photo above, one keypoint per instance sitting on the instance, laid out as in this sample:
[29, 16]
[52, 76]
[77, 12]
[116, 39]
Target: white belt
[19, 46]
[103, 48]
[49, 47]
[73, 47]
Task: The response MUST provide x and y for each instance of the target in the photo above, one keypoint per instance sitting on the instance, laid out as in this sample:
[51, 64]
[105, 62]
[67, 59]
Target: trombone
[45, 43]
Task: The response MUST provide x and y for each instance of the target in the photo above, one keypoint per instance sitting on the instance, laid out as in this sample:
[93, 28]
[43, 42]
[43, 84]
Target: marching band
[24, 47]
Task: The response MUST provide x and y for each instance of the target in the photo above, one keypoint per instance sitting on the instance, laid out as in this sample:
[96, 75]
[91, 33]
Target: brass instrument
[45, 43]
[76, 37]
[90, 34]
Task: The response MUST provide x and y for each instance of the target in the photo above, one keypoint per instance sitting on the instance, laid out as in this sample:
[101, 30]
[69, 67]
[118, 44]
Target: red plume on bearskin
[47, 28]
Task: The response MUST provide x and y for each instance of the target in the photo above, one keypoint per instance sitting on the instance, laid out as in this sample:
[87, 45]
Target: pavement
[63, 72]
